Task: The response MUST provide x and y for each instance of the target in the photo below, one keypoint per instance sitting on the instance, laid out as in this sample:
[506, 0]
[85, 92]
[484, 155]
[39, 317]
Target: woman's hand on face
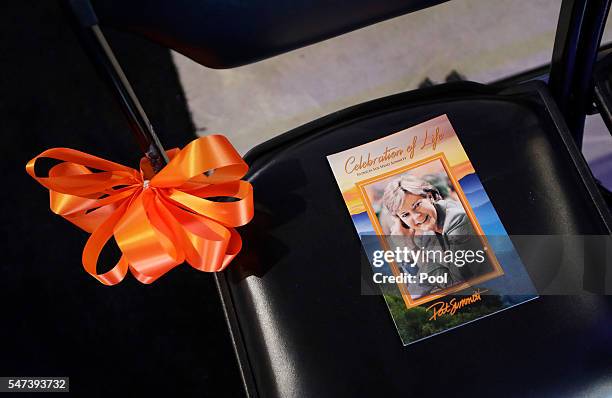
[399, 229]
[407, 231]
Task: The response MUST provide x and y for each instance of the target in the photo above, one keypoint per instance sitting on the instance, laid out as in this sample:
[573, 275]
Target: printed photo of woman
[427, 220]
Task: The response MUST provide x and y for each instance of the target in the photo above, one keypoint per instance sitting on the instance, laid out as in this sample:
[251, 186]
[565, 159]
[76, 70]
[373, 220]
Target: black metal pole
[102, 56]
[579, 32]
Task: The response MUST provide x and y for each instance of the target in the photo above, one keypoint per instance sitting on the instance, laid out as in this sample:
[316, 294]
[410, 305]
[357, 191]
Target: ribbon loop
[231, 214]
[157, 224]
[223, 164]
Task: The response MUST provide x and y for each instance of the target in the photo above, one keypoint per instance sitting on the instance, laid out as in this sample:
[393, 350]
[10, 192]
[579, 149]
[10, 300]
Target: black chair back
[229, 33]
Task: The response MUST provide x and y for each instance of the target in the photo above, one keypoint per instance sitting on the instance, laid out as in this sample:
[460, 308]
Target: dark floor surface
[169, 338]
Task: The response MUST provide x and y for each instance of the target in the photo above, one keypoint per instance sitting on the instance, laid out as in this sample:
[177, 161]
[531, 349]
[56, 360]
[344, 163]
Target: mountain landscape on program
[482, 206]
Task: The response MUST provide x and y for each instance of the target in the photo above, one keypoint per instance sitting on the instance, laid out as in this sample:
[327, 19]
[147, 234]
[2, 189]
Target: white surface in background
[596, 138]
[484, 41]
[597, 149]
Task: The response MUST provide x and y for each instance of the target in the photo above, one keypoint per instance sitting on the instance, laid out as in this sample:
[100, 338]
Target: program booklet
[436, 247]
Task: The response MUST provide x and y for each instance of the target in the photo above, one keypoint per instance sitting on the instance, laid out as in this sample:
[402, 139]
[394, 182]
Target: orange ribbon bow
[157, 224]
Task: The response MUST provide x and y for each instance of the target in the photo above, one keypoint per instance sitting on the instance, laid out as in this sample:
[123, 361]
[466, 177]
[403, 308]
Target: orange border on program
[497, 271]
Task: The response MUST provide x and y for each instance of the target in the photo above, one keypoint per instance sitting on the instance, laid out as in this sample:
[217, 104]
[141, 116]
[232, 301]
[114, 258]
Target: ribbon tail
[205, 242]
[144, 278]
[233, 248]
[96, 242]
[145, 240]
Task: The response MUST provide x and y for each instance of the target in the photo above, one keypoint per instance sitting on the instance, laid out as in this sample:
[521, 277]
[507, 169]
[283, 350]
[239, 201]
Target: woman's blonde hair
[396, 191]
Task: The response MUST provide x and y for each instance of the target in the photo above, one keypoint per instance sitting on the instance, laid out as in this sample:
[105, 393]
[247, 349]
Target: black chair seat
[305, 330]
